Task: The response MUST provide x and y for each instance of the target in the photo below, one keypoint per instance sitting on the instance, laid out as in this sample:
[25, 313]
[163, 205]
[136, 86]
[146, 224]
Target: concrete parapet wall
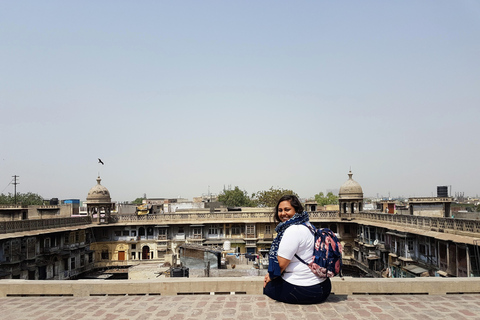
[238, 285]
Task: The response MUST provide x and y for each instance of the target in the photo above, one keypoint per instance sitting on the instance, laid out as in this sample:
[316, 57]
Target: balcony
[39, 224]
[50, 250]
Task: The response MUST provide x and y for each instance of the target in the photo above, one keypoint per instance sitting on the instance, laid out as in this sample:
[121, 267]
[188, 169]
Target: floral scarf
[273, 266]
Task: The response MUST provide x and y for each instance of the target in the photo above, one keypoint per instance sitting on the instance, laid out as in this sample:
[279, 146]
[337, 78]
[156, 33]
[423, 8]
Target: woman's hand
[266, 280]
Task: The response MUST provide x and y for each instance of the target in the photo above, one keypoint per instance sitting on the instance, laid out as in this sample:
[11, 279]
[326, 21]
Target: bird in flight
[100, 161]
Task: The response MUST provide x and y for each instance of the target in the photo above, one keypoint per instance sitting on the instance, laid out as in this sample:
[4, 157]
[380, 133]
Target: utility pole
[15, 187]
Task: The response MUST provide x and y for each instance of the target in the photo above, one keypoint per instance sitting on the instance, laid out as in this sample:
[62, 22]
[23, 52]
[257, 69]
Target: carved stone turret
[99, 203]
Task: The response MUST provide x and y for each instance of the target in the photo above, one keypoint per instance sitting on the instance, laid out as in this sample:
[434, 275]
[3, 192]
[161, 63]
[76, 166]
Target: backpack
[327, 253]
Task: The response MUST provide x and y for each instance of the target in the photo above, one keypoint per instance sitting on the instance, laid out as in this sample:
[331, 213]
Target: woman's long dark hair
[294, 202]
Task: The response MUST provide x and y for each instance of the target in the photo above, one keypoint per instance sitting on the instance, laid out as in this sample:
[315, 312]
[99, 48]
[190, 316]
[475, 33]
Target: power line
[7, 186]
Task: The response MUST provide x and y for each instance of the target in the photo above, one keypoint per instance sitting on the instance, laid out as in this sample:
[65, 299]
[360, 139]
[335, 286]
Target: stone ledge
[239, 285]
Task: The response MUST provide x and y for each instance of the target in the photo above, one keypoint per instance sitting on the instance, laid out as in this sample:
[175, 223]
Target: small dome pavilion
[350, 196]
[99, 203]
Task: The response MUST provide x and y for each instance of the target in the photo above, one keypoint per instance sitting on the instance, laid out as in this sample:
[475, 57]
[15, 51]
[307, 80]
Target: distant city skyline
[178, 98]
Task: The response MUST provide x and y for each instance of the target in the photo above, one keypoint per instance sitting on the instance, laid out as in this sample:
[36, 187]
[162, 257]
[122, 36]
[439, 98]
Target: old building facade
[381, 244]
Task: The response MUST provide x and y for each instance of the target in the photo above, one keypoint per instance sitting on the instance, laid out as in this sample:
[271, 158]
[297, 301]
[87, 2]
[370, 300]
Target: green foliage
[138, 201]
[269, 198]
[322, 200]
[26, 199]
[235, 198]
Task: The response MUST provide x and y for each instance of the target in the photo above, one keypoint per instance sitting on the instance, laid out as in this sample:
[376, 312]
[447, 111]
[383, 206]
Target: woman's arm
[283, 263]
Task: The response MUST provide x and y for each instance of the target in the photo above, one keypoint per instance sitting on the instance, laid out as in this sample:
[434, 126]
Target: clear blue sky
[179, 96]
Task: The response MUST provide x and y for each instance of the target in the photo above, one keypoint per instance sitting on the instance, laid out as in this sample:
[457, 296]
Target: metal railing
[426, 223]
[215, 217]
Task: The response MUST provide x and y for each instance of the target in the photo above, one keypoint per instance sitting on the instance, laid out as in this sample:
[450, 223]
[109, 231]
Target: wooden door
[121, 255]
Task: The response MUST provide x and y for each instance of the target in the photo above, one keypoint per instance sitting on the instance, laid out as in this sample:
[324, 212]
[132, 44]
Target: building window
[212, 230]
[268, 229]
[133, 233]
[162, 234]
[236, 229]
[134, 246]
[422, 249]
[47, 243]
[133, 255]
[125, 233]
[180, 230]
[250, 229]
[104, 254]
[82, 260]
[72, 263]
[346, 228]
[197, 233]
[410, 245]
[118, 233]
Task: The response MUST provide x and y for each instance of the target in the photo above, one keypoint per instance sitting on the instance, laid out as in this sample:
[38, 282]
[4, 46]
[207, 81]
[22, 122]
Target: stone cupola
[350, 196]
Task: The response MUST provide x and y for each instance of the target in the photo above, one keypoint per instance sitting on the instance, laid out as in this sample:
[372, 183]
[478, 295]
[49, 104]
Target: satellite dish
[375, 242]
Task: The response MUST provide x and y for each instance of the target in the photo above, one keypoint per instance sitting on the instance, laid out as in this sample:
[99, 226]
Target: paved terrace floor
[248, 307]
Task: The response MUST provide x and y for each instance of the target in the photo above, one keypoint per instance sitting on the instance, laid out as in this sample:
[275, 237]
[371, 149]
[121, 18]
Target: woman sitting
[289, 280]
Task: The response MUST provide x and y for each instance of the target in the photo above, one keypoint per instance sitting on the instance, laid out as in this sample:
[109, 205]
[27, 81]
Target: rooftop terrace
[122, 300]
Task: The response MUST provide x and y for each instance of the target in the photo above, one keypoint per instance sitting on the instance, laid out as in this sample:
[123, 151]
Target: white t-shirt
[299, 240]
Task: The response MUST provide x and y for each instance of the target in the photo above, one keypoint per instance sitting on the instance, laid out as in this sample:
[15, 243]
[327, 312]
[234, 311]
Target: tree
[25, 199]
[138, 201]
[235, 198]
[269, 198]
[323, 200]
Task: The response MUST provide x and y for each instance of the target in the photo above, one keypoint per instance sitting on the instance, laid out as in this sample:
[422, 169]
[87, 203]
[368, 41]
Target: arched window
[105, 255]
[145, 253]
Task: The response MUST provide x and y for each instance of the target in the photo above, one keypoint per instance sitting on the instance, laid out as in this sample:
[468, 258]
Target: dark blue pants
[280, 290]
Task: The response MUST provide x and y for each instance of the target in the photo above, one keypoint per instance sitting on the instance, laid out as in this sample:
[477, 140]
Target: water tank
[54, 202]
[442, 191]
[227, 245]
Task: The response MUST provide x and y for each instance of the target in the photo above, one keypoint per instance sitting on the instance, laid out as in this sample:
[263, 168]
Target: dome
[98, 194]
[350, 189]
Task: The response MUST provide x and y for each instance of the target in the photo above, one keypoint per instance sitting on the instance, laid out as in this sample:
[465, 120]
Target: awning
[264, 242]
[214, 242]
[405, 259]
[396, 234]
[236, 241]
[373, 257]
[415, 269]
[442, 273]
[162, 226]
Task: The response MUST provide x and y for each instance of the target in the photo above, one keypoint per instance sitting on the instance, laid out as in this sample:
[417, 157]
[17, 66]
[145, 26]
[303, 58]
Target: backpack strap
[301, 260]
